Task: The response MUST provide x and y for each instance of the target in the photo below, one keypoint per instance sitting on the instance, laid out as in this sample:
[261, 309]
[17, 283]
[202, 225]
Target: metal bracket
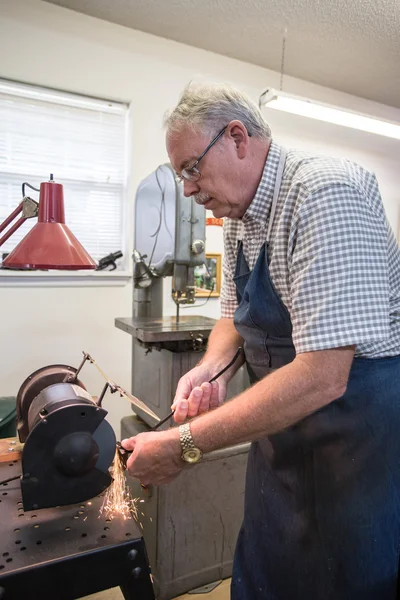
[73, 378]
[198, 341]
[30, 208]
[204, 589]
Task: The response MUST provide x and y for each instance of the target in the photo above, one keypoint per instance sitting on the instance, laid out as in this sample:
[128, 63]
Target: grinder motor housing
[68, 444]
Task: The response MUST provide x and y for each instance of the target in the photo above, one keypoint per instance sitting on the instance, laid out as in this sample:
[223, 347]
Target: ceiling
[348, 45]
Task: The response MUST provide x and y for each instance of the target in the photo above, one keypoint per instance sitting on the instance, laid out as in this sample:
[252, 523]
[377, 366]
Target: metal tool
[123, 454]
[114, 387]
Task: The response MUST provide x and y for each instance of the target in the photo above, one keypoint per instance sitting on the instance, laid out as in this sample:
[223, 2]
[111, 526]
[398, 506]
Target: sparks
[118, 501]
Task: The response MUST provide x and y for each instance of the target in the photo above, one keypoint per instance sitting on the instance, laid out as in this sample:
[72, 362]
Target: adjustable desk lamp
[49, 244]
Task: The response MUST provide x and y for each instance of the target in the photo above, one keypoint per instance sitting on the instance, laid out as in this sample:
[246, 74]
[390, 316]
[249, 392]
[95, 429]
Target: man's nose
[190, 188]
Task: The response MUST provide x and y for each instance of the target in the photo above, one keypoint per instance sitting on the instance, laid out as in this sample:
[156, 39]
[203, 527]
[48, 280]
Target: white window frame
[60, 278]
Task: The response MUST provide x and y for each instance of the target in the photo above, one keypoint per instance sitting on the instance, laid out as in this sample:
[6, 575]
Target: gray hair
[209, 107]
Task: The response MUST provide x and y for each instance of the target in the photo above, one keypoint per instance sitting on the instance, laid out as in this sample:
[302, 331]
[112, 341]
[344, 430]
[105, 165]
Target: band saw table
[66, 552]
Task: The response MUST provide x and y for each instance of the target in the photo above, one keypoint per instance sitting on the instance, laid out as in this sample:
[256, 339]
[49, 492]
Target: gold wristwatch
[190, 453]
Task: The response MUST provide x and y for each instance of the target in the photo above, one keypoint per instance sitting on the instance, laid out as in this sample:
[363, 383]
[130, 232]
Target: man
[312, 290]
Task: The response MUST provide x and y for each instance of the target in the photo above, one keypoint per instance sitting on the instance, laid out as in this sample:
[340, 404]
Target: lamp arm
[29, 209]
[12, 229]
[12, 216]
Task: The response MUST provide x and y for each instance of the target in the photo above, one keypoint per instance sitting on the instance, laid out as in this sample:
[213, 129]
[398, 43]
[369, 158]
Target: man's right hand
[194, 395]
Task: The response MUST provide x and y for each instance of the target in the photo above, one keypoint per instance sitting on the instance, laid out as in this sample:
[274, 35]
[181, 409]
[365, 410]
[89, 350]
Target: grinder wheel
[68, 452]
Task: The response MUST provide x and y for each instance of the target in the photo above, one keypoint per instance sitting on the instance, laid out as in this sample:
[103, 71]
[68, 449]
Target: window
[82, 141]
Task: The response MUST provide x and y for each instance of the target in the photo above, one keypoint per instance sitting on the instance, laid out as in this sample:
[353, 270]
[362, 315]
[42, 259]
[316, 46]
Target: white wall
[47, 45]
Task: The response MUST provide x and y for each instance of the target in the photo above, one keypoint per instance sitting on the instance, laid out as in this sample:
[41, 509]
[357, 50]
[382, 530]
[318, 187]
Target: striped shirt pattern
[333, 258]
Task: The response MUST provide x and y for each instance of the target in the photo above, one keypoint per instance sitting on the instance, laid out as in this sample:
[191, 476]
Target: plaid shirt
[333, 258]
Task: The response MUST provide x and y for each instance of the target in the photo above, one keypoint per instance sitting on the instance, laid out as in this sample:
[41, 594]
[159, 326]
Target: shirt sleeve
[338, 270]
[228, 288]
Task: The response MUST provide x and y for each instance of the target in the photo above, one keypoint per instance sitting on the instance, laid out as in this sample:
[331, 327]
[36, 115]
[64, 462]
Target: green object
[8, 417]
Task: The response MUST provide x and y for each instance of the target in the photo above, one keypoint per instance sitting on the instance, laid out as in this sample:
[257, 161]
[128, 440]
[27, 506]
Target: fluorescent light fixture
[331, 114]
[47, 95]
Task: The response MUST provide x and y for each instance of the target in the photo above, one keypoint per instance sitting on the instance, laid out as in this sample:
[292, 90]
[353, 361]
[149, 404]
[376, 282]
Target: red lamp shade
[50, 244]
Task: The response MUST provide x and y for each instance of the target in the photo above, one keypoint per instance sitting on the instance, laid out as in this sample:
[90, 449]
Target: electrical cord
[208, 297]
[201, 303]
[162, 218]
[30, 186]
[157, 231]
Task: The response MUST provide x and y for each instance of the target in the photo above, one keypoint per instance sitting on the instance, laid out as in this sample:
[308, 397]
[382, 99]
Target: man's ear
[237, 131]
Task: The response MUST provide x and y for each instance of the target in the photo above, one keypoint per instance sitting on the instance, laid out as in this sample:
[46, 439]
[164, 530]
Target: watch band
[185, 437]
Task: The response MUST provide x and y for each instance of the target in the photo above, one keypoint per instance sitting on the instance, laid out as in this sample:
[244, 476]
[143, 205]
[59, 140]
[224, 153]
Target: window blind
[82, 141]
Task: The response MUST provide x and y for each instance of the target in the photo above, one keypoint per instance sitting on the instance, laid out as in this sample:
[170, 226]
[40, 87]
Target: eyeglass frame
[182, 176]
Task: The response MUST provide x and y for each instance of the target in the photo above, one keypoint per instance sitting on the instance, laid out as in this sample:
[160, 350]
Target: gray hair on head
[209, 107]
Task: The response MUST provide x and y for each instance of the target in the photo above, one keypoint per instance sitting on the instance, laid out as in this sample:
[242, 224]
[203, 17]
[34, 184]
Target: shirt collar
[261, 204]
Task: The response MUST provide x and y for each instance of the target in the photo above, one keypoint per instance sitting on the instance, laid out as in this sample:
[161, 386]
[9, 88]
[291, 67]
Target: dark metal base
[67, 552]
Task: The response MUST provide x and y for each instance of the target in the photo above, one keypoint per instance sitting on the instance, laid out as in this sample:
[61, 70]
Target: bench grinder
[68, 444]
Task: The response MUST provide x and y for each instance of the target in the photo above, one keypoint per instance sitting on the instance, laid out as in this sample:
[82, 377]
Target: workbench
[66, 552]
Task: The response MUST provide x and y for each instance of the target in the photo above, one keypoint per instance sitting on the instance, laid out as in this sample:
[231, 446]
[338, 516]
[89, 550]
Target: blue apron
[322, 501]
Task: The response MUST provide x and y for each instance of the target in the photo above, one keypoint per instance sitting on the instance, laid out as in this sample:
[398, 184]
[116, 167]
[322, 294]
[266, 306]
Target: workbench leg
[137, 586]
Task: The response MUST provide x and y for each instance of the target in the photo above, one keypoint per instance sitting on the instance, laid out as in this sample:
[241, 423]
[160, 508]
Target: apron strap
[278, 182]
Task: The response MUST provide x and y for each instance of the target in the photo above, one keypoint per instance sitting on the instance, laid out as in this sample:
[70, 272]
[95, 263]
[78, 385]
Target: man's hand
[156, 456]
[194, 395]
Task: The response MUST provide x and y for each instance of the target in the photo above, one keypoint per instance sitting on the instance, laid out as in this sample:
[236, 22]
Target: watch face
[193, 455]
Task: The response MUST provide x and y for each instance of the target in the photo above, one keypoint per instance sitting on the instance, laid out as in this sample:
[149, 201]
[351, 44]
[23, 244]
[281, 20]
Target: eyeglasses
[192, 173]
